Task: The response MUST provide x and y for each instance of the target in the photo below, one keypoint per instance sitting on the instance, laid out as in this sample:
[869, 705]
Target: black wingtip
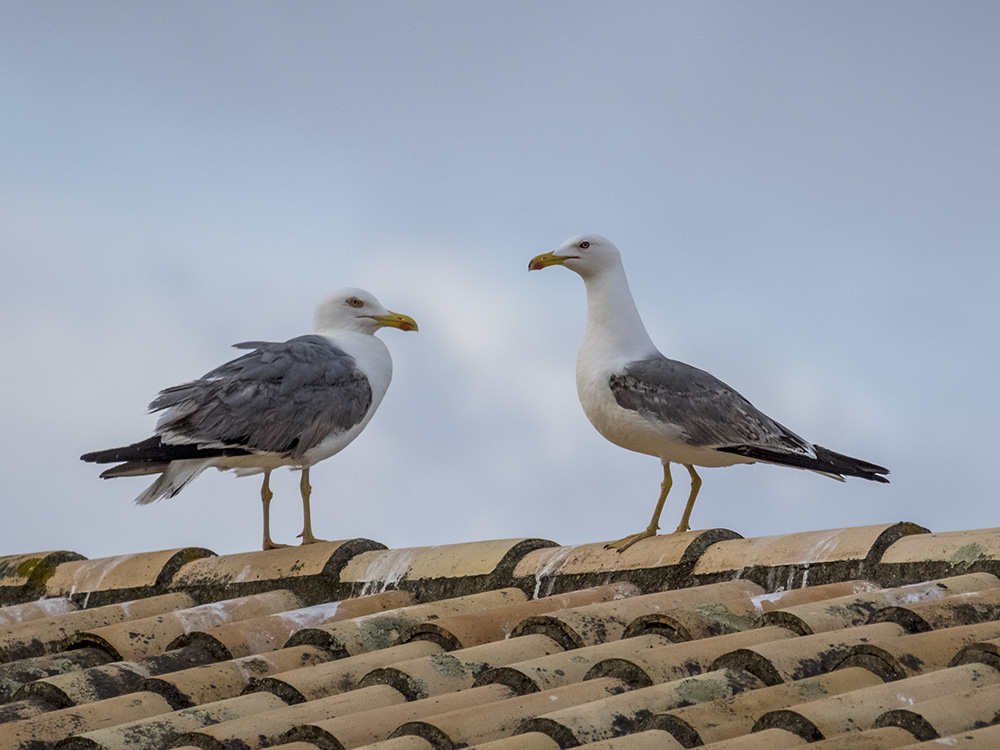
[826, 461]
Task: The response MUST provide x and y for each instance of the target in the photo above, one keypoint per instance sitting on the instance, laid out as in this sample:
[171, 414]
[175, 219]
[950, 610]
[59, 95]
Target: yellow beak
[545, 260]
[396, 320]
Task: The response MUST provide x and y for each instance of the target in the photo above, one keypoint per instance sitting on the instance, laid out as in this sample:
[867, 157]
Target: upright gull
[284, 404]
[640, 400]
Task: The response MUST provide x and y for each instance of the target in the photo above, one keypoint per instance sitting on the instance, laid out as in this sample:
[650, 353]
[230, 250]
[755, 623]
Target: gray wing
[281, 397]
[708, 412]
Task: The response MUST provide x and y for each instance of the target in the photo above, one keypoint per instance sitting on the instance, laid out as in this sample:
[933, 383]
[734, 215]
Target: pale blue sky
[806, 196]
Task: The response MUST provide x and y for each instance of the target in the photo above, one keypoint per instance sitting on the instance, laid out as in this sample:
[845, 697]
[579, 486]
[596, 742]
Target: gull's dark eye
[355, 302]
[584, 245]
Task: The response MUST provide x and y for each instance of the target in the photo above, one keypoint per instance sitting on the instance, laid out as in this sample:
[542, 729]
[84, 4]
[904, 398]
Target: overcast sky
[806, 197]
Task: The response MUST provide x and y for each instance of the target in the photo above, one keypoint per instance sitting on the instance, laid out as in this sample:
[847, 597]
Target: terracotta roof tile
[474, 629]
[883, 738]
[359, 729]
[960, 609]
[783, 598]
[855, 609]
[152, 635]
[944, 554]
[117, 579]
[54, 725]
[805, 656]
[44, 636]
[425, 676]
[23, 577]
[947, 715]
[683, 638]
[15, 674]
[626, 713]
[914, 654]
[566, 667]
[227, 679]
[722, 607]
[341, 675]
[270, 632]
[858, 710]
[100, 682]
[661, 562]
[797, 560]
[377, 631]
[704, 723]
[437, 572]
[312, 571]
[526, 741]
[260, 729]
[772, 739]
[467, 726]
[678, 660]
[987, 738]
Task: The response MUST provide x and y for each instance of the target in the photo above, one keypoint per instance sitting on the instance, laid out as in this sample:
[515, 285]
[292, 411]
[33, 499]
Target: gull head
[586, 254]
[357, 310]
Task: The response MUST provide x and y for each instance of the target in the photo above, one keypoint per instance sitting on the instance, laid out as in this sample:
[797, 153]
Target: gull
[291, 403]
[640, 400]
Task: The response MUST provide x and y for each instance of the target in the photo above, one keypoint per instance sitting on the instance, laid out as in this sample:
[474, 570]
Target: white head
[357, 310]
[587, 255]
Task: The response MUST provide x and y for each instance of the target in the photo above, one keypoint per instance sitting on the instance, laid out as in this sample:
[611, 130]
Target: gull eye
[584, 245]
[355, 302]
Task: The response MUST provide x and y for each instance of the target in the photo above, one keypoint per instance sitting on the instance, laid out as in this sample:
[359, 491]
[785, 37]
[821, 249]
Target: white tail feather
[173, 480]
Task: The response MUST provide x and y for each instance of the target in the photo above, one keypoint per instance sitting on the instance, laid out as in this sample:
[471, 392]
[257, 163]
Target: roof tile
[986, 738]
[857, 711]
[44, 636]
[259, 634]
[704, 723]
[227, 679]
[644, 645]
[949, 714]
[966, 608]
[466, 726]
[151, 635]
[425, 676]
[526, 741]
[914, 654]
[20, 672]
[27, 734]
[784, 598]
[310, 570]
[340, 675]
[477, 628]
[678, 660]
[883, 738]
[772, 739]
[566, 667]
[15, 614]
[437, 572]
[625, 713]
[855, 609]
[23, 577]
[794, 560]
[261, 729]
[727, 605]
[945, 553]
[658, 563]
[376, 631]
[805, 656]
[357, 730]
[117, 579]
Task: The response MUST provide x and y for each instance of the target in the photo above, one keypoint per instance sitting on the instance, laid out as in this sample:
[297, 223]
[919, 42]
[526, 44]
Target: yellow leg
[623, 544]
[265, 498]
[306, 489]
[685, 524]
